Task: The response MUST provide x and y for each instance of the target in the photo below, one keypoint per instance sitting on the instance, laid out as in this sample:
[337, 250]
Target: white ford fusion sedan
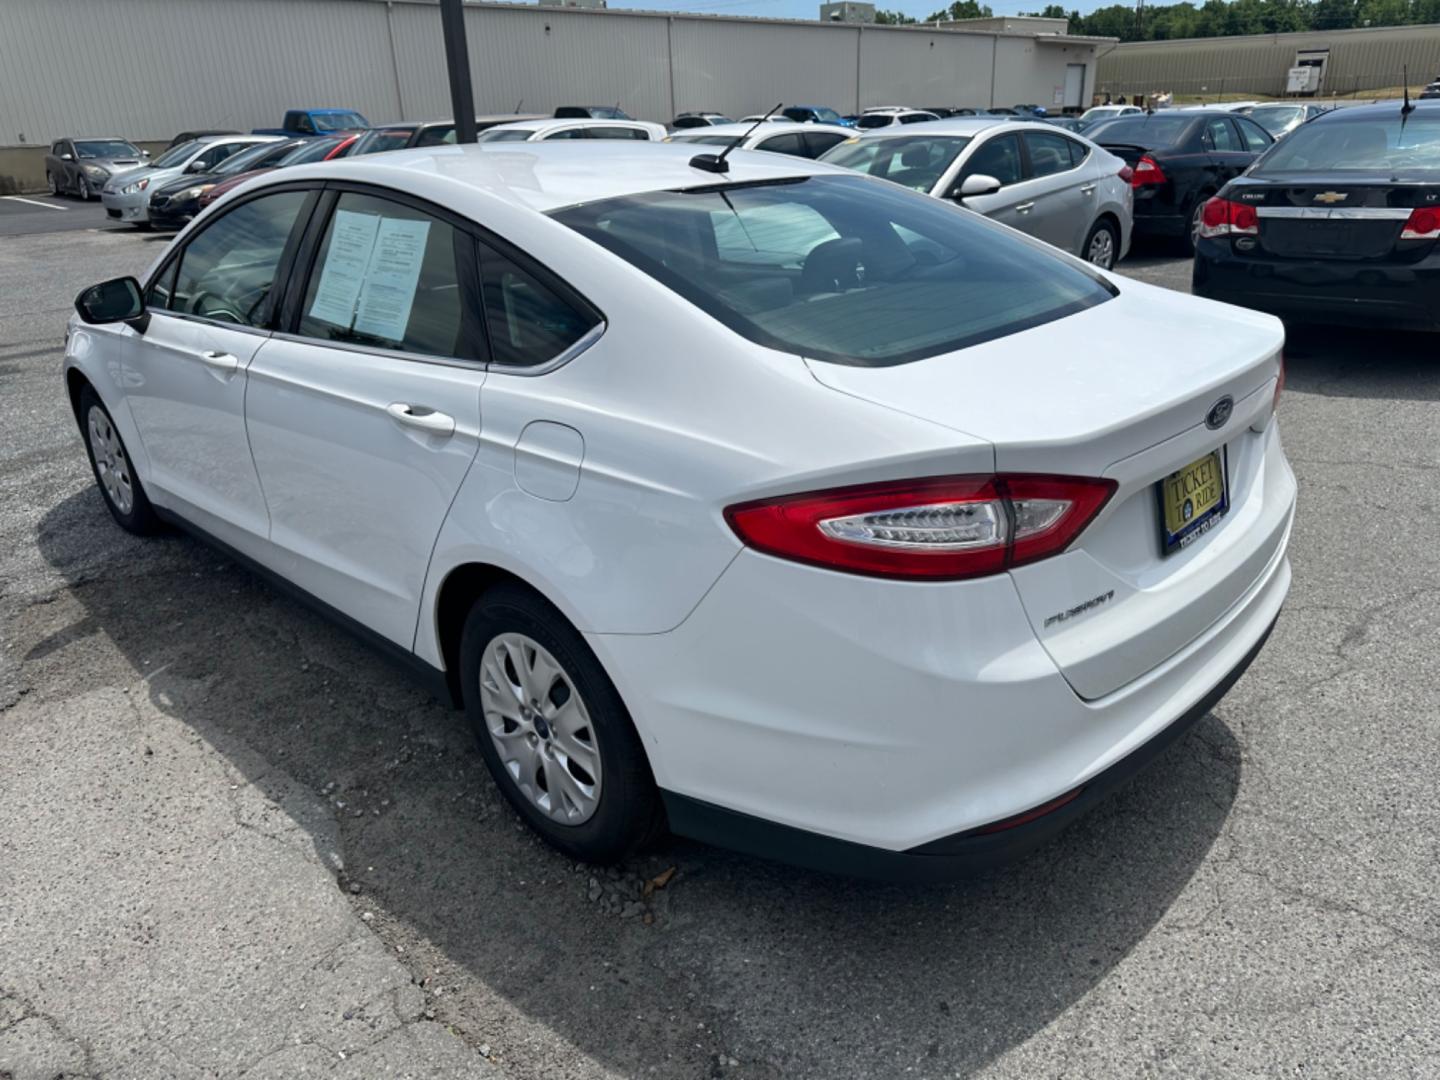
[779, 506]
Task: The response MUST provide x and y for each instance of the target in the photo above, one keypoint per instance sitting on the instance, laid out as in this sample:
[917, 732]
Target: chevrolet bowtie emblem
[1331, 197]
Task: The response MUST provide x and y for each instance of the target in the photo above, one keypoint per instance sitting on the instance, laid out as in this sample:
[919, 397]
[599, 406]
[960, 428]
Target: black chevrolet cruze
[1337, 224]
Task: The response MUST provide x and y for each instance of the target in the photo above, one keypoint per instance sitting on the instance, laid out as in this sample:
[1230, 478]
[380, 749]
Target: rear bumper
[1342, 292]
[949, 858]
[1165, 224]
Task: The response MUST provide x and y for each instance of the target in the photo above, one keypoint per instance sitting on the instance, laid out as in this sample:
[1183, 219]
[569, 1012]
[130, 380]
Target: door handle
[1024, 207]
[220, 361]
[1087, 189]
[418, 416]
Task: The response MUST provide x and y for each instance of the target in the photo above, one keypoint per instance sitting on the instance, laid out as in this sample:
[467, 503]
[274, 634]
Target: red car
[313, 150]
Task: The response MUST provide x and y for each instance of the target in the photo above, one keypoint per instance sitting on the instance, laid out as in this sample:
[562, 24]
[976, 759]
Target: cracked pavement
[234, 842]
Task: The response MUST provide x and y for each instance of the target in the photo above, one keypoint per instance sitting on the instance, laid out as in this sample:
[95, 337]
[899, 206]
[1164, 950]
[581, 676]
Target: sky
[810, 9]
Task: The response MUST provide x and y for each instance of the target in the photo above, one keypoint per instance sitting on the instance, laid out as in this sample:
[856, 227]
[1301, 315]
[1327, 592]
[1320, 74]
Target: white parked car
[547, 129]
[1053, 184]
[1107, 112]
[886, 116]
[783, 506]
[799, 140]
[126, 195]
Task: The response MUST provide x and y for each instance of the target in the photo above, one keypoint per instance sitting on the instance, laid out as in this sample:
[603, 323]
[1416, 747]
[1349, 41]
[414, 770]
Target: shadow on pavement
[789, 972]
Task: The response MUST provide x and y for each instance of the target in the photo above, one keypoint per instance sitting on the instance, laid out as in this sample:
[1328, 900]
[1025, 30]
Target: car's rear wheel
[553, 731]
[1102, 246]
[114, 471]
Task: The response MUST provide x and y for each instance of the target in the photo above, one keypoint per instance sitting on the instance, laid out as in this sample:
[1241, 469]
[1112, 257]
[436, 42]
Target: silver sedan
[1055, 185]
[126, 196]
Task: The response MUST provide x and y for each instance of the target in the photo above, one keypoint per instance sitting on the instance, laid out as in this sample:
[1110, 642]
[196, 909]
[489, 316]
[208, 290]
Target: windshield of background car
[875, 120]
[840, 268]
[1142, 130]
[382, 139]
[504, 135]
[244, 160]
[1371, 144]
[916, 161]
[309, 150]
[1273, 118]
[345, 121]
[106, 148]
[177, 155]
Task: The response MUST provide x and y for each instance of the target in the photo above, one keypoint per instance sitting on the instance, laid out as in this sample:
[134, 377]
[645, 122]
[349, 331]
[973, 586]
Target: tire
[512, 637]
[51, 182]
[1102, 245]
[1187, 242]
[82, 188]
[115, 474]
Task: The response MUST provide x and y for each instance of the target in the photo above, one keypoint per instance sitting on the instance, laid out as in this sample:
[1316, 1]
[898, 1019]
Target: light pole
[457, 65]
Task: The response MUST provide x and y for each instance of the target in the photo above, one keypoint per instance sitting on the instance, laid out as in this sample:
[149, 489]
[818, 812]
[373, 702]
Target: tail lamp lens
[943, 528]
[1146, 172]
[1224, 217]
[1424, 224]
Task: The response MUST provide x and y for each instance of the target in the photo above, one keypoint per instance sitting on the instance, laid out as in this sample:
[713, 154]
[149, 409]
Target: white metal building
[145, 69]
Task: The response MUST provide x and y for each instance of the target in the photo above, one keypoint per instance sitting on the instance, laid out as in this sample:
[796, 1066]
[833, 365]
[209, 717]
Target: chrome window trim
[1325, 213]
[220, 324]
[386, 354]
[559, 360]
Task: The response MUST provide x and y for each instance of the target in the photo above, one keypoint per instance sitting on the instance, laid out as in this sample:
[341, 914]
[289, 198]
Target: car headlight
[95, 172]
[191, 193]
[139, 185]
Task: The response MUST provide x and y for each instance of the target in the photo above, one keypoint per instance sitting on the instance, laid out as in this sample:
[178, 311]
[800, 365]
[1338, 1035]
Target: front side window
[1220, 136]
[1049, 154]
[218, 152]
[999, 157]
[839, 268]
[915, 161]
[176, 155]
[530, 320]
[227, 272]
[386, 276]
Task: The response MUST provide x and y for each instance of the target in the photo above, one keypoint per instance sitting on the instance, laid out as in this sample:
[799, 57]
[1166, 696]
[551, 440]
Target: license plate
[1192, 501]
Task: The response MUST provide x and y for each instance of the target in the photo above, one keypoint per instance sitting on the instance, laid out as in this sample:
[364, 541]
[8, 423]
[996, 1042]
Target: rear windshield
[251, 157]
[1142, 130]
[840, 268]
[381, 139]
[916, 161]
[310, 150]
[708, 140]
[874, 120]
[1371, 144]
[340, 121]
[106, 148]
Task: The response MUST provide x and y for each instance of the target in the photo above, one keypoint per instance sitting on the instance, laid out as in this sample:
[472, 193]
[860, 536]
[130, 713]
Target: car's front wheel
[51, 183]
[114, 471]
[552, 728]
[1102, 246]
[82, 188]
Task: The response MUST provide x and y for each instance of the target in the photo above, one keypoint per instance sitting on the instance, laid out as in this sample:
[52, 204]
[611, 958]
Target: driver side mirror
[199, 165]
[117, 300]
[977, 184]
[67, 157]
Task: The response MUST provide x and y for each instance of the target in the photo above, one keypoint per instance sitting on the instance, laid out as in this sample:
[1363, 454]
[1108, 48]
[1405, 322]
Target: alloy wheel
[50, 181]
[110, 460]
[84, 190]
[541, 728]
[1102, 249]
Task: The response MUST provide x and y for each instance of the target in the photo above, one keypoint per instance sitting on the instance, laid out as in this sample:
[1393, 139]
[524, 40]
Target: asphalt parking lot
[233, 841]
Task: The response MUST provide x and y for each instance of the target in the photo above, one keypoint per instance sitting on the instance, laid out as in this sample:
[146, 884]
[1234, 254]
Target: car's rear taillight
[1146, 172]
[1224, 217]
[941, 528]
[1423, 224]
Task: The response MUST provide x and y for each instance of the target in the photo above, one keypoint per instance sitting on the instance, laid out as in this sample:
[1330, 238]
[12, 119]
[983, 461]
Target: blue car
[815, 114]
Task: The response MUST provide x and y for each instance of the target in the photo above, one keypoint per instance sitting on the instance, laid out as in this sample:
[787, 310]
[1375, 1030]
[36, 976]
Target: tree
[893, 18]
[961, 9]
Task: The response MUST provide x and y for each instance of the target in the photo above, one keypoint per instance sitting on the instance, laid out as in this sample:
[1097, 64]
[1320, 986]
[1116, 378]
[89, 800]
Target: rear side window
[439, 135]
[817, 142]
[227, 272]
[530, 317]
[840, 268]
[388, 276]
[788, 143]
[999, 157]
[1049, 153]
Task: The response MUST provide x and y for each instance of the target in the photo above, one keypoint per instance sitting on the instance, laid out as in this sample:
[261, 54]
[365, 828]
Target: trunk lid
[1121, 391]
[1339, 216]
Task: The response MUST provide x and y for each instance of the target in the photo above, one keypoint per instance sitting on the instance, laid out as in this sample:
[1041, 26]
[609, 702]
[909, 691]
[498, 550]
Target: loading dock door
[1074, 85]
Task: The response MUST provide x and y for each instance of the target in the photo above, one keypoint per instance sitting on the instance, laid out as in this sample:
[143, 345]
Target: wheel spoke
[540, 675]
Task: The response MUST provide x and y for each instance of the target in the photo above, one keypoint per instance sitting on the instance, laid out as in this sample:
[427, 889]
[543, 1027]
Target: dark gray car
[82, 166]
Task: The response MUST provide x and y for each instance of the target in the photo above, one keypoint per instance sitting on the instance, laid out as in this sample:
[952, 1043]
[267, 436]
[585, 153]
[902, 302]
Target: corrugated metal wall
[1359, 60]
[146, 69]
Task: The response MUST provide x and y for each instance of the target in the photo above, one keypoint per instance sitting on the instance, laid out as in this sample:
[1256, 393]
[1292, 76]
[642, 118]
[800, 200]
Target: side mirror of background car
[66, 157]
[117, 300]
[977, 184]
[196, 166]
[144, 153]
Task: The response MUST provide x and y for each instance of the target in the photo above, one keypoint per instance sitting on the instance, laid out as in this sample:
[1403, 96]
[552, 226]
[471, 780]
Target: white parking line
[34, 202]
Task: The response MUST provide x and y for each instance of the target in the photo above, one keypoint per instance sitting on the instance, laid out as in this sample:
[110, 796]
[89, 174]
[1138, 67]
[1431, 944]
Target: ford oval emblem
[1220, 412]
